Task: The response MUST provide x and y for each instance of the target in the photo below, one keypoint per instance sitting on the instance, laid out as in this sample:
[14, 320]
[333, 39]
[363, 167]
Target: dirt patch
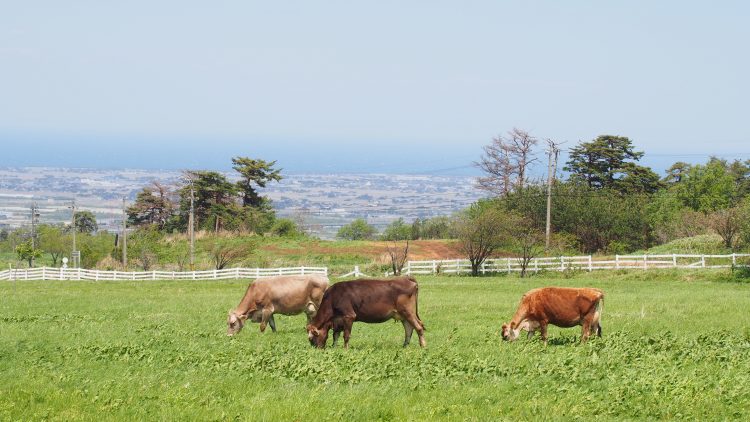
[323, 249]
[418, 249]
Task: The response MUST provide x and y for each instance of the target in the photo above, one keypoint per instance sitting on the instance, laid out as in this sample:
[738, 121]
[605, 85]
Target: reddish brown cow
[287, 295]
[366, 300]
[560, 306]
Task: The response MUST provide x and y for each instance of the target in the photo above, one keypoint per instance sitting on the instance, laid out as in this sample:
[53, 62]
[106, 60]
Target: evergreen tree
[608, 162]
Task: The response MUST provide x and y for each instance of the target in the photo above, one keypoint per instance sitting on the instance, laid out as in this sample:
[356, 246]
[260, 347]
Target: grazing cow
[366, 300]
[560, 306]
[287, 295]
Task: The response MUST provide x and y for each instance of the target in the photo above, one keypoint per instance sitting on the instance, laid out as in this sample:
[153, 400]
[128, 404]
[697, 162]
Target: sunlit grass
[675, 345]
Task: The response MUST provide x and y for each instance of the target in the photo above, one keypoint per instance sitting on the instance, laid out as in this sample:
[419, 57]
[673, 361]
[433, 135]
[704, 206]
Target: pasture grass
[676, 345]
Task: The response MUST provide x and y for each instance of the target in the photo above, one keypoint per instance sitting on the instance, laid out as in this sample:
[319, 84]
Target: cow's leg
[530, 334]
[310, 311]
[585, 330]
[408, 330]
[264, 317]
[598, 329]
[412, 319]
[336, 334]
[348, 322]
[272, 323]
[590, 321]
[543, 331]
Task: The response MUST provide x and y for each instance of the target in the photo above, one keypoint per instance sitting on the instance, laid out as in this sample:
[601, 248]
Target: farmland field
[675, 345]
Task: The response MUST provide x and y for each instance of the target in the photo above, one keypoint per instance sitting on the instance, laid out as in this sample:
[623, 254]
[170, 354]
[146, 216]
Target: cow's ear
[315, 331]
[243, 317]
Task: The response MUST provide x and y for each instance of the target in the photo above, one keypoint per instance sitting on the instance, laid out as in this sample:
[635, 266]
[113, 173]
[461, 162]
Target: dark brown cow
[560, 306]
[287, 295]
[366, 300]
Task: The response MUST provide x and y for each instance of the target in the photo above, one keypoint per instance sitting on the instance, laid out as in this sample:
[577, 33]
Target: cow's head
[510, 332]
[235, 322]
[317, 336]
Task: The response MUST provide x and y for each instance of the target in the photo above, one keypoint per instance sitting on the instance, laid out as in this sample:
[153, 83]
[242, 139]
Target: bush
[741, 274]
[356, 230]
[284, 227]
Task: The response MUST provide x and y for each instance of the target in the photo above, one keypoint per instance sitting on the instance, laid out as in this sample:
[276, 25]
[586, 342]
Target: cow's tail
[416, 301]
[599, 311]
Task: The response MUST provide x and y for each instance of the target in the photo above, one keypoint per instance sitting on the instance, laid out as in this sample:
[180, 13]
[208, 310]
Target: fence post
[193, 275]
[257, 272]
[734, 259]
[645, 261]
[591, 264]
[173, 275]
[153, 275]
[617, 262]
[458, 266]
[562, 263]
[703, 261]
[507, 262]
[674, 260]
[237, 272]
[44, 273]
[434, 266]
[536, 264]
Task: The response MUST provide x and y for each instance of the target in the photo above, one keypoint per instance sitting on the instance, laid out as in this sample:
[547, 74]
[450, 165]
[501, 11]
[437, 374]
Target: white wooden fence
[48, 273]
[586, 262]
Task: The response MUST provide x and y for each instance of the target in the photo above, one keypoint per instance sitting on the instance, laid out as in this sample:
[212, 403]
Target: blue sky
[384, 86]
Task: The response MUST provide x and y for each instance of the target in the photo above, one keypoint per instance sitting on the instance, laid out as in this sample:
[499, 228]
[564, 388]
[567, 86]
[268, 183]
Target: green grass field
[675, 345]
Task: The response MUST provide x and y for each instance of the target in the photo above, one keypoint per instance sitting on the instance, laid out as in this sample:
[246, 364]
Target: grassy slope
[675, 345]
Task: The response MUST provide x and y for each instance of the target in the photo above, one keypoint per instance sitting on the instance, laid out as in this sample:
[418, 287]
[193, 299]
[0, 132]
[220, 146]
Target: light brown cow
[560, 306]
[287, 295]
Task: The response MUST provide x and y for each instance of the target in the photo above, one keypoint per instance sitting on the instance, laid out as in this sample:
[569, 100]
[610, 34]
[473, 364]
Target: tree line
[606, 203]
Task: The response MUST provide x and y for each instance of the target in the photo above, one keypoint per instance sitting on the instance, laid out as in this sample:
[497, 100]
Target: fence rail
[586, 262]
[48, 273]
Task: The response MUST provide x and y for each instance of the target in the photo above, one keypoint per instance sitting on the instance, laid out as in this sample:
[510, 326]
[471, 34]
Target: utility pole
[34, 221]
[191, 228]
[124, 236]
[552, 153]
[73, 226]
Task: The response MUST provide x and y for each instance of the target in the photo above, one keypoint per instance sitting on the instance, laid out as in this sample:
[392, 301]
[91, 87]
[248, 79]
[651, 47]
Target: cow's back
[371, 300]
[291, 293]
[563, 306]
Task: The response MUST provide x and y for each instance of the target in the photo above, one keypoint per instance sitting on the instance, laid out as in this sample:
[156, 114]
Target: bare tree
[496, 164]
[146, 259]
[506, 161]
[224, 253]
[727, 223]
[524, 239]
[398, 254]
[304, 220]
[479, 234]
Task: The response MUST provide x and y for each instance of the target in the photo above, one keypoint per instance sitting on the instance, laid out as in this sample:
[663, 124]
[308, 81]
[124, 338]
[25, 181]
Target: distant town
[321, 202]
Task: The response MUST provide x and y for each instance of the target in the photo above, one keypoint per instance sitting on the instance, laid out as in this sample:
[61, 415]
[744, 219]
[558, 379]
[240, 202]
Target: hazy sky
[392, 86]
